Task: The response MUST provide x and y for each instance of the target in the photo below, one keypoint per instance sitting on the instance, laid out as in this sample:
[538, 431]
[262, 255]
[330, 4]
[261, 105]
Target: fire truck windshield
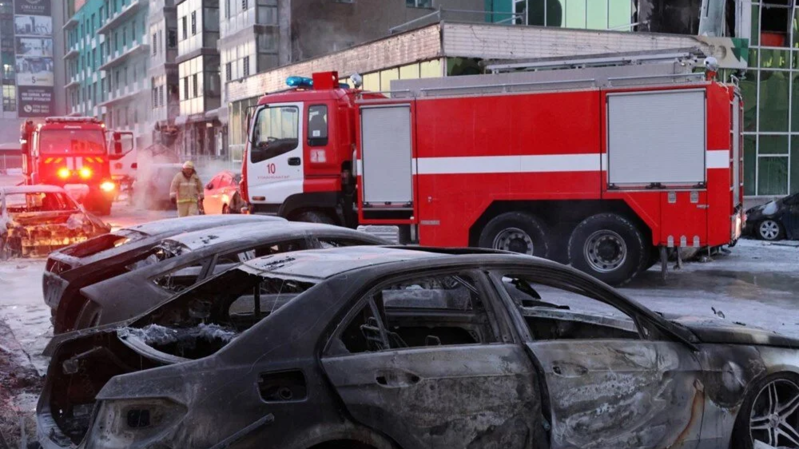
[71, 141]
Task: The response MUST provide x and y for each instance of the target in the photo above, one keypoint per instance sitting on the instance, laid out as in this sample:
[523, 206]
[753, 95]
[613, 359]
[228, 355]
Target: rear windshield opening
[203, 320]
[103, 243]
[19, 203]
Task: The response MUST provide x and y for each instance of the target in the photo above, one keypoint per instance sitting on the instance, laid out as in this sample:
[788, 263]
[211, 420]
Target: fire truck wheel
[517, 232]
[608, 247]
[312, 216]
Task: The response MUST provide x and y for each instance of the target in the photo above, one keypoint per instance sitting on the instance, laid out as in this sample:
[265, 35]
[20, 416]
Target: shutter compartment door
[386, 157]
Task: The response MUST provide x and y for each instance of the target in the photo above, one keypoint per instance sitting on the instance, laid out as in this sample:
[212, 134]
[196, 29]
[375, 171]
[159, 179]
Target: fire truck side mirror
[250, 116]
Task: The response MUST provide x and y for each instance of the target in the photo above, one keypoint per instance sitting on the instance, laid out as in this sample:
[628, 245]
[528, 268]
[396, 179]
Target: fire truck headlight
[85, 173]
[107, 186]
[64, 173]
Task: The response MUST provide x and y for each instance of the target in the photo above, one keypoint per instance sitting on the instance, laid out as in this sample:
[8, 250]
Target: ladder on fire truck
[599, 71]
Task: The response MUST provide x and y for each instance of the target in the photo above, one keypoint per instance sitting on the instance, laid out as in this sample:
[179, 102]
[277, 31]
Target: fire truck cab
[298, 162]
[607, 168]
[70, 152]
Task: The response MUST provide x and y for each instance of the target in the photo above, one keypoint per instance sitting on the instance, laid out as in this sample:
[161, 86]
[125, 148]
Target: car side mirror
[209, 186]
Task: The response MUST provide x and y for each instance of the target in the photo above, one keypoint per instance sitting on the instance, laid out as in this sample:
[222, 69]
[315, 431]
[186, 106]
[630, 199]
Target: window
[132, 33]
[243, 5]
[186, 88]
[552, 313]
[227, 9]
[154, 46]
[437, 310]
[228, 71]
[172, 38]
[154, 94]
[185, 28]
[195, 86]
[193, 23]
[317, 126]
[275, 132]
[124, 37]
[9, 98]
[246, 68]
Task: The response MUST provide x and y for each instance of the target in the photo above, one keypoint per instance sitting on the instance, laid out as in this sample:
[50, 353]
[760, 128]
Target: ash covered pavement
[756, 284]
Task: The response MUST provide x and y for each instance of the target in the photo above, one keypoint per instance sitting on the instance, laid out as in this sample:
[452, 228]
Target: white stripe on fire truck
[544, 163]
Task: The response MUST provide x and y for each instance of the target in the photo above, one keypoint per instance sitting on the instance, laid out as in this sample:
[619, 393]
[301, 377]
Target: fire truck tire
[518, 232]
[312, 216]
[608, 247]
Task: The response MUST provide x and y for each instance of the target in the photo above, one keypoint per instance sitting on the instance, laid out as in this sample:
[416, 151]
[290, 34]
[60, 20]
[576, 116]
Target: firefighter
[187, 191]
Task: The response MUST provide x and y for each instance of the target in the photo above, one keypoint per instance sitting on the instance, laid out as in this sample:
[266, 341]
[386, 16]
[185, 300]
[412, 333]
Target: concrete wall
[319, 28]
[57, 10]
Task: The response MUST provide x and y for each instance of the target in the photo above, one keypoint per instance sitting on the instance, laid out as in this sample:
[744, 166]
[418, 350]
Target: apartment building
[199, 87]
[164, 95]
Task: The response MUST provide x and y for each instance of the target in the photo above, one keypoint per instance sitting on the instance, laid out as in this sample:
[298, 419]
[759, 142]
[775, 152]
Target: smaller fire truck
[604, 168]
[71, 152]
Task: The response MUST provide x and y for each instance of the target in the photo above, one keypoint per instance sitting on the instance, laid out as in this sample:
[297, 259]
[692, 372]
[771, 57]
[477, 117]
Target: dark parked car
[775, 220]
[182, 261]
[379, 347]
[74, 267]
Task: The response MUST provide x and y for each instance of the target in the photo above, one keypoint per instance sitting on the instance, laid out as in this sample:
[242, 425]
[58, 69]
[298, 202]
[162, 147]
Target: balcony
[73, 83]
[120, 16]
[118, 58]
[71, 23]
[127, 93]
[72, 53]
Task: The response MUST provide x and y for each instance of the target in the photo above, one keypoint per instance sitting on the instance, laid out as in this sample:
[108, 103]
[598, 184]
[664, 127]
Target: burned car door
[610, 384]
[425, 361]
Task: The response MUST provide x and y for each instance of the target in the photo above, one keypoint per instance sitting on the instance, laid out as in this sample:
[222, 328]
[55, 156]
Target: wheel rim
[514, 240]
[769, 230]
[774, 419]
[605, 251]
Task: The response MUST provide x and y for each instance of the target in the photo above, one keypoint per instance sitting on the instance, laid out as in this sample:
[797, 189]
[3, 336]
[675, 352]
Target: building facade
[164, 94]
[106, 64]
[771, 98]
[199, 87]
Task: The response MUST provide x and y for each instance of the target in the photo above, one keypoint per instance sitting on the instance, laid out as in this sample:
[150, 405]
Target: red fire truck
[605, 168]
[70, 152]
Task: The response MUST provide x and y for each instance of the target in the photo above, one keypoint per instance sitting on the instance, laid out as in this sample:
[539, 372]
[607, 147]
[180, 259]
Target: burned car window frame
[498, 326]
[649, 328]
[205, 267]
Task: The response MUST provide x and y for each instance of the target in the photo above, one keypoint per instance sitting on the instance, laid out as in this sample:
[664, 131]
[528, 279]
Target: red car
[222, 194]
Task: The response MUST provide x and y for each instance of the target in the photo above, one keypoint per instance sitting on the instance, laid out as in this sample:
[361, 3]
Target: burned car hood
[719, 331]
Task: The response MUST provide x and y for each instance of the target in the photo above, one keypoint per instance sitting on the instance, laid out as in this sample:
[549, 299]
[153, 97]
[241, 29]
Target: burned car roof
[32, 189]
[183, 261]
[230, 234]
[185, 224]
[322, 264]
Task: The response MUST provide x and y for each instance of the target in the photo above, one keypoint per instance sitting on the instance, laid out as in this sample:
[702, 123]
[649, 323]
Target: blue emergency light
[299, 81]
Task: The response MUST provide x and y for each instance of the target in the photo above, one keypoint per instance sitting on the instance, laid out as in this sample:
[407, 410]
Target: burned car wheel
[769, 230]
[770, 414]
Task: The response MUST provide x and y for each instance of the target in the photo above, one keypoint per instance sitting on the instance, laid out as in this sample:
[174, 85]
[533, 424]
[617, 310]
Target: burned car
[383, 347]
[775, 220]
[179, 262]
[72, 268]
[35, 220]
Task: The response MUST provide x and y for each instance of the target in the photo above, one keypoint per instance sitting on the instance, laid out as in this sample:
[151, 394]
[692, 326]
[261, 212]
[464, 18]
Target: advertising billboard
[35, 66]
